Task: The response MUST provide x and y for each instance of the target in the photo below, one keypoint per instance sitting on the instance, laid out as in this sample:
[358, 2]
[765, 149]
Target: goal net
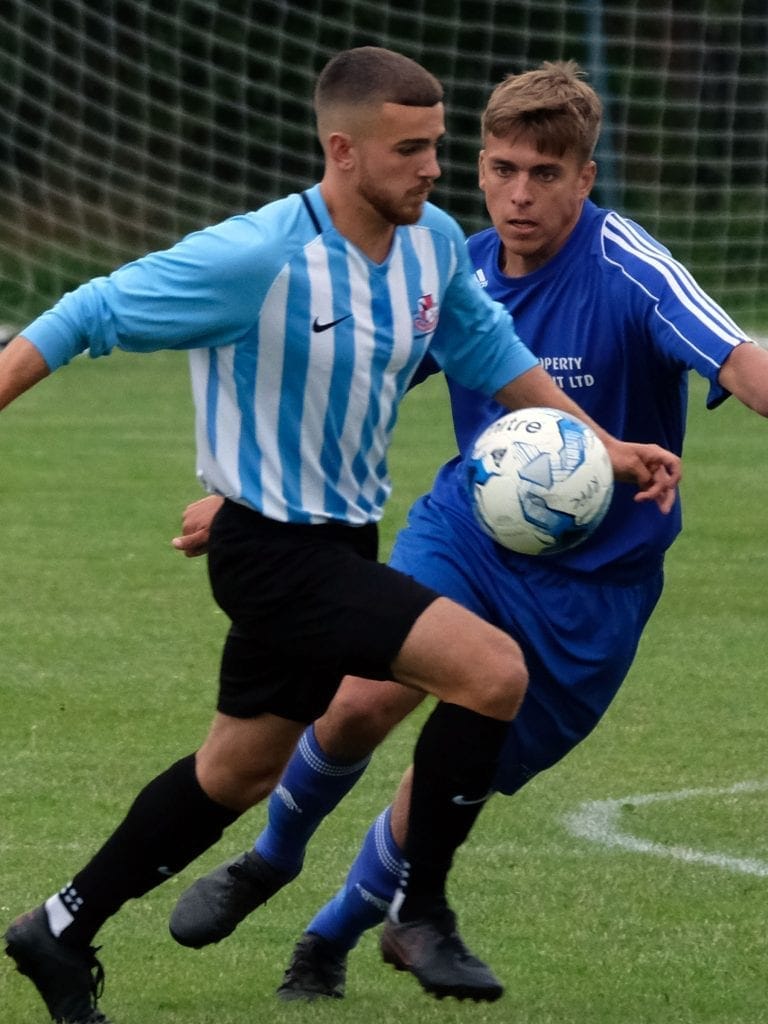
[125, 123]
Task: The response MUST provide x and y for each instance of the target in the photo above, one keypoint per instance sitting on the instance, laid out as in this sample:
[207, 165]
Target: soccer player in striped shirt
[619, 324]
[305, 322]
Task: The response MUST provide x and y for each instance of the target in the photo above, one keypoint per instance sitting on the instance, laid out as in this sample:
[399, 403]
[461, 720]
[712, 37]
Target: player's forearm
[745, 375]
[21, 367]
[535, 387]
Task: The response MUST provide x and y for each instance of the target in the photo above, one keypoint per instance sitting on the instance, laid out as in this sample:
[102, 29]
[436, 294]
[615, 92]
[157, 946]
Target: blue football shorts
[308, 604]
[579, 636]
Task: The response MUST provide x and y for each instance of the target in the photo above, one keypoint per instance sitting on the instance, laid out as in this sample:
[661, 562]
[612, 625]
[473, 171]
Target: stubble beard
[396, 213]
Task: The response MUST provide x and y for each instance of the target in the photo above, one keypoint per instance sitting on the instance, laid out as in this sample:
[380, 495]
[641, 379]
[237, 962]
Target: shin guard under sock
[170, 822]
[362, 901]
[311, 786]
[455, 765]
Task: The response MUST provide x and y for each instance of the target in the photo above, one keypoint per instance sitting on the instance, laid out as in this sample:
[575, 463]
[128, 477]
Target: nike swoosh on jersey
[463, 802]
[317, 326]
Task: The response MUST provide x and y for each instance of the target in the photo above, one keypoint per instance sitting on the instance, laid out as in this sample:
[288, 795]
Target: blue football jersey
[618, 323]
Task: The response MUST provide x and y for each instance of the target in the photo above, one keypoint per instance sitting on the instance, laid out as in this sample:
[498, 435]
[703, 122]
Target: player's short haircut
[552, 105]
[370, 75]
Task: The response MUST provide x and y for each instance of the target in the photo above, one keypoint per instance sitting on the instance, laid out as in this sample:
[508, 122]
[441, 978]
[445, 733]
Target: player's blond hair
[552, 105]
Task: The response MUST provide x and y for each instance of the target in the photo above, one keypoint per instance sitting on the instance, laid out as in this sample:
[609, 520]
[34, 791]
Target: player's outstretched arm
[21, 367]
[655, 471]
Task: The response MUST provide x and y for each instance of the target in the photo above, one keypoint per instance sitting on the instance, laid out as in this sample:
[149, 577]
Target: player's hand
[196, 526]
[655, 471]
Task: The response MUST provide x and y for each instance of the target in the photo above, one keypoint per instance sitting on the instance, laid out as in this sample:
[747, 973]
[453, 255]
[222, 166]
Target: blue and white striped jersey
[618, 323]
[301, 348]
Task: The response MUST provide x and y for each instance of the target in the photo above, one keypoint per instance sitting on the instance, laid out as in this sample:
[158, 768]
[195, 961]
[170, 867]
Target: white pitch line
[598, 821]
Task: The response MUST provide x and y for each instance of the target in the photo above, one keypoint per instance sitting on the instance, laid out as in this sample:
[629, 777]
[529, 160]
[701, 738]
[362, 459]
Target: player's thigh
[458, 657]
[309, 605]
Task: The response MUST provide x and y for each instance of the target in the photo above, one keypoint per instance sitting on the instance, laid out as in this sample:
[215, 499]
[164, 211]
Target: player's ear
[341, 150]
[481, 169]
[588, 175]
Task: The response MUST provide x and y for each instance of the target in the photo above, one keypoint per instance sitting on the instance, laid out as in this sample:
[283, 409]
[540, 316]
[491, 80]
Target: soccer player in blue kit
[619, 324]
[305, 322]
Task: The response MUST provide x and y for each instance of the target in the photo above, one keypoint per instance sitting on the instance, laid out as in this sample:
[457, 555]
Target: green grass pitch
[110, 644]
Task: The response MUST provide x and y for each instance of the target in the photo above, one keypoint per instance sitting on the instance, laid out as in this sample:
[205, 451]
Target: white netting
[124, 123]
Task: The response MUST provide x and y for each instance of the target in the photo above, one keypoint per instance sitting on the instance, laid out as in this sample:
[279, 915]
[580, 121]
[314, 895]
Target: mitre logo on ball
[540, 481]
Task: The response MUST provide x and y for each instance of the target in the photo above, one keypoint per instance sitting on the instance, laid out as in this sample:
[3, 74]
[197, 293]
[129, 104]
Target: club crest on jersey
[427, 316]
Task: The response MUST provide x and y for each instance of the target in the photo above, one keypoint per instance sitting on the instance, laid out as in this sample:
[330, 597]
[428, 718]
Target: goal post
[124, 124]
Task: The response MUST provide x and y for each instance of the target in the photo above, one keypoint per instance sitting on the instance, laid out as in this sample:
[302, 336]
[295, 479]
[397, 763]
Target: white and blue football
[540, 481]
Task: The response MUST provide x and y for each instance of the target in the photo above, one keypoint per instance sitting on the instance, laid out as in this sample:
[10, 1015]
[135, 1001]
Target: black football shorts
[309, 604]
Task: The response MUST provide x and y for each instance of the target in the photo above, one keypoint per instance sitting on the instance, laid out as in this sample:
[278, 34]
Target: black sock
[454, 766]
[170, 822]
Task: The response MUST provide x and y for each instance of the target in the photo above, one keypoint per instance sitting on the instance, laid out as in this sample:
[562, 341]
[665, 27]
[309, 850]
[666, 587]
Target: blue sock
[311, 786]
[362, 901]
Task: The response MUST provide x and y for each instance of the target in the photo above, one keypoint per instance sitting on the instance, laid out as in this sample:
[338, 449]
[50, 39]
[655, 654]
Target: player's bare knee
[504, 699]
[250, 791]
[236, 789]
[504, 678]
